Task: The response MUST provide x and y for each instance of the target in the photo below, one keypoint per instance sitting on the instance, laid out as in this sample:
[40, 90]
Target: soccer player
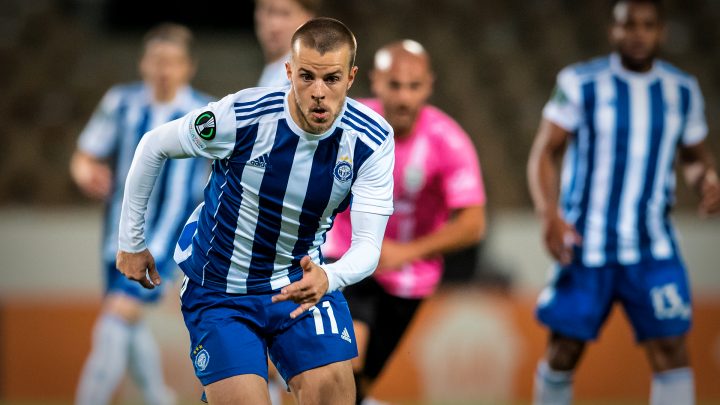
[99, 167]
[439, 207]
[286, 161]
[275, 24]
[625, 119]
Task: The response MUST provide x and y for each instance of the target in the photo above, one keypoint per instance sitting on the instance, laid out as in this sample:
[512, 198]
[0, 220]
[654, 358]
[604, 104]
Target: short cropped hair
[171, 32]
[657, 3]
[311, 6]
[325, 34]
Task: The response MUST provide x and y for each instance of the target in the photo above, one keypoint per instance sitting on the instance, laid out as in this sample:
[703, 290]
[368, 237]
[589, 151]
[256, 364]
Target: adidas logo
[345, 336]
[261, 161]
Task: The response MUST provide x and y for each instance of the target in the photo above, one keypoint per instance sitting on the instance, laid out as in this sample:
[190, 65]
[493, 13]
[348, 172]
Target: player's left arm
[465, 227]
[695, 157]
[700, 173]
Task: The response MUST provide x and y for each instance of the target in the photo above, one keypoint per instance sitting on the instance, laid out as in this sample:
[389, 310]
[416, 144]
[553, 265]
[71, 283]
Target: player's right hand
[92, 177]
[139, 267]
[560, 238]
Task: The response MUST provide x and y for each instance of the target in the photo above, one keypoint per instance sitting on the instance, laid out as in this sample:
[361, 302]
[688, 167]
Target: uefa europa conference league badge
[205, 125]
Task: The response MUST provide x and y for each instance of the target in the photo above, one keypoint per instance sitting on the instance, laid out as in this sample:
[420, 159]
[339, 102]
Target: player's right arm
[207, 132]
[98, 140]
[561, 115]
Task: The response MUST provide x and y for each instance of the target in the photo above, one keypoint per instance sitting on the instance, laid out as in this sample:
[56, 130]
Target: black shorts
[387, 317]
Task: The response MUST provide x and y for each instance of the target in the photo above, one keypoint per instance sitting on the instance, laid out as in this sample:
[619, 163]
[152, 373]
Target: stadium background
[495, 64]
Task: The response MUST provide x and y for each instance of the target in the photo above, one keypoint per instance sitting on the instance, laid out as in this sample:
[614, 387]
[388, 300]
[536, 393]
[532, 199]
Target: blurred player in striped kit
[275, 23]
[439, 207]
[286, 160]
[99, 167]
[624, 118]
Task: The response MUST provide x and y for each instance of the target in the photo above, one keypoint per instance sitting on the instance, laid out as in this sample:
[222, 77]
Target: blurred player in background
[286, 160]
[624, 118]
[99, 167]
[275, 24]
[439, 207]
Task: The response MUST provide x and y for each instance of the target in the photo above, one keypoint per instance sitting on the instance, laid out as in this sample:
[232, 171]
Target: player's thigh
[332, 384]
[656, 297]
[248, 389]
[223, 328]
[577, 300]
[394, 315]
[362, 335]
[318, 337]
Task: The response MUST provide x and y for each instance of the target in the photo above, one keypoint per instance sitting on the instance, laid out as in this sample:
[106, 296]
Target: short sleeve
[210, 131]
[372, 192]
[462, 177]
[696, 128]
[564, 107]
[99, 137]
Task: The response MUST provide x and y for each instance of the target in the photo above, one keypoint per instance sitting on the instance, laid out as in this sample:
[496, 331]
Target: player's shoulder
[366, 123]
[124, 93]
[587, 68]
[668, 69]
[251, 104]
[442, 130]
[200, 98]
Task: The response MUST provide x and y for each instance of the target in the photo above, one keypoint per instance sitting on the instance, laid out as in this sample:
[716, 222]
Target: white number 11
[317, 316]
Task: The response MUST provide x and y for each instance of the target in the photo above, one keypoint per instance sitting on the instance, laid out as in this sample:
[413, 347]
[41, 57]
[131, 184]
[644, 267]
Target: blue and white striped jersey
[124, 115]
[275, 189]
[618, 178]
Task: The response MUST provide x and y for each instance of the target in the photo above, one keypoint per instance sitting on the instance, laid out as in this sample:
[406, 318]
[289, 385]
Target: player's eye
[306, 76]
[332, 79]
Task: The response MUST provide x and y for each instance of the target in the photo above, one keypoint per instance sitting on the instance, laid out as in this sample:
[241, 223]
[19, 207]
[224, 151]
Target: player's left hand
[710, 194]
[307, 291]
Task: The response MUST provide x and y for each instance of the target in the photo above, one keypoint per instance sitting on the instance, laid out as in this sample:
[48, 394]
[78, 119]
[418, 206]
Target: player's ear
[351, 76]
[288, 71]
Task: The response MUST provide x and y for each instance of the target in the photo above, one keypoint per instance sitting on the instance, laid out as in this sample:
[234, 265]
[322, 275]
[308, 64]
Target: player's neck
[637, 66]
[164, 97]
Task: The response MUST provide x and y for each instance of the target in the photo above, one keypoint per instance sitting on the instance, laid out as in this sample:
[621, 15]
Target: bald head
[406, 50]
[402, 80]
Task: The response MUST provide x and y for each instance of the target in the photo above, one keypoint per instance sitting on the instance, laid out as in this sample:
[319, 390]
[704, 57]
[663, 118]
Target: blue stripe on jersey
[361, 129]
[258, 113]
[317, 197]
[657, 126]
[622, 135]
[367, 126]
[276, 94]
[588, 92]
[218, 219]
[272, 190]
[353, 110]
[261, 105]
[574, 149]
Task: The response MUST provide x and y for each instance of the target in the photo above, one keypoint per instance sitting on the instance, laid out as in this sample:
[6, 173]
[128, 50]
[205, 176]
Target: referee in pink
[439, 202]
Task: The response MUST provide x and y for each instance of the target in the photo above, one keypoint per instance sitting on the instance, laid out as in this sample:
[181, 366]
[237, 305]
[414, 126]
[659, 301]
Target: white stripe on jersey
[602, 176]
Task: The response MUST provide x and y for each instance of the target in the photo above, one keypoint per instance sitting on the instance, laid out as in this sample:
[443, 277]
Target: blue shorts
[116, 282]
[654, 293]
[232, 334]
